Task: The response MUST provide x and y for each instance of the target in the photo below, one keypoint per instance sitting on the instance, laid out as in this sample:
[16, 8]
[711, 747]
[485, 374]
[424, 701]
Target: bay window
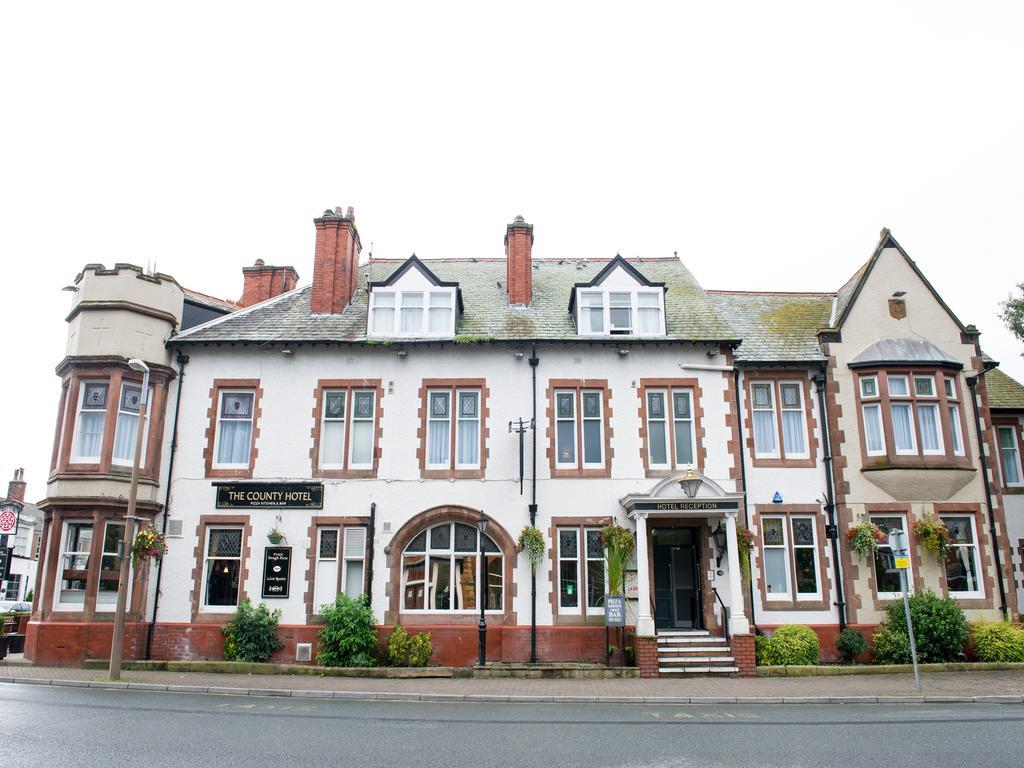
[956, 437]
[76, 548]
[92, 418]
[871, 411]
[963, 569]
[128, 425]
[223, 567]
[110, 566]
[442, 572]
[234, 428]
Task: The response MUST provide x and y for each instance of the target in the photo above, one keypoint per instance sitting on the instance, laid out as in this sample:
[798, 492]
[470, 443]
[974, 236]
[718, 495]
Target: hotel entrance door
[676, 578]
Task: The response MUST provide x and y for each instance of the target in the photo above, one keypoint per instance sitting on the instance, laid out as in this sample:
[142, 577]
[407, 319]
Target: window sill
[777, 463]
[341, 474]
[229, 474]
[451, 474]
[567, 473]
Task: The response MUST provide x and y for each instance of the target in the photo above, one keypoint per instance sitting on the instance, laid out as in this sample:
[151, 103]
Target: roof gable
[617, 263]
[413, 262]
[847, 295]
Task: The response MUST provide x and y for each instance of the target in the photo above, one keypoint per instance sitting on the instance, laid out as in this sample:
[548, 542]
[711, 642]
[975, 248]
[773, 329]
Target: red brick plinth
[743, 651]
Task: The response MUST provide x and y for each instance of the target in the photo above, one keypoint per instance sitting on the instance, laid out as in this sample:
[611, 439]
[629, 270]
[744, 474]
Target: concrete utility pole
[117, 641]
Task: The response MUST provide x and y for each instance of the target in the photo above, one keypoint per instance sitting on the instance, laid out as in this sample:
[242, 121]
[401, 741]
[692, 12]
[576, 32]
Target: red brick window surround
[453, 428]
[337, 560]
[577, 570]
[884, 577]
[1009, 439]
[911, 417]
[346, 428]
[780, 419]
[222, 555]
[579, 428]
[671, 434]
[793, 574]
[233, 427]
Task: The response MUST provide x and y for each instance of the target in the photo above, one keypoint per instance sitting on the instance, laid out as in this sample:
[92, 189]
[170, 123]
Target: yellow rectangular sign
[902, 562]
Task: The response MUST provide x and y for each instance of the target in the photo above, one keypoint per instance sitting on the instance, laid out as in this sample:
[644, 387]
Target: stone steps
[694, 652]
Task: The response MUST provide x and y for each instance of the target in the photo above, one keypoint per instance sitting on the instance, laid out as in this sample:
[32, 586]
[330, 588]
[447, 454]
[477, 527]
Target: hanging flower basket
[149, 543]
[864, 539]
[531, 541]
[934, 535]
[276, 536]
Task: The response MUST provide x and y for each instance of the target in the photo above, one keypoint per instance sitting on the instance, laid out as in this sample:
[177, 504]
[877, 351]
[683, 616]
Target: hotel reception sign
[270, 496]
[695, 505]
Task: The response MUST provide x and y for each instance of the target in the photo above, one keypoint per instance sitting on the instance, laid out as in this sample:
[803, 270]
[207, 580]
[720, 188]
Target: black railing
[725, 614]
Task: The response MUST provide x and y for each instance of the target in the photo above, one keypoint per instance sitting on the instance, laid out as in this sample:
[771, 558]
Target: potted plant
[531, 541]
[148, 543]
[744, 546]
[618, 546]
[934, 535]
[276, 536]
[864, 539]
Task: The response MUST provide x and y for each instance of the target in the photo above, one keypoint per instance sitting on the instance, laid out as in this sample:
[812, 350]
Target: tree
[1013, 313]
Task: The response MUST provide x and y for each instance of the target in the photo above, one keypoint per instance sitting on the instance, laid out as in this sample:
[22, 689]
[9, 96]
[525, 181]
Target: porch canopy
[668, 499]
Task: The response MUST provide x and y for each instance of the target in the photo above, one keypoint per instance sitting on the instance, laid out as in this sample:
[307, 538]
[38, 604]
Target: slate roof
[1004, 391]
[775, 326]
[902, 351]
[689, 312]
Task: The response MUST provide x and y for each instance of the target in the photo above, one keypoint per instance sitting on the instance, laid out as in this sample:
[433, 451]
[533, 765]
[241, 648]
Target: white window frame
[583, 419]
[940, 435]
[786, 596]
[325, 420]
[76, 457]
[322, 585]
[353, 418]
[754, 409]
[375, 297]
[663, 419]
[975, 553]
[575, 463]
[871, 401]
[221, 394]
[586, 560]
[59, 605]
[801, 409]
[353, 552]
[906, 400]
[145, 427]
[430, 553]
[458, 418]
[348, 422]
[634, 311]
[671, 422]
[108, 607]
[1012, 428]
[813, 546]
[885, 545]
[446, 419]
[581, 592]
[208, 559]
[426, 294]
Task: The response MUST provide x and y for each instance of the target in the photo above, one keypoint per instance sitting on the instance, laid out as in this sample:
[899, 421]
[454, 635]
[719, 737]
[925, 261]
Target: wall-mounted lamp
[70, 288]
[691, 483]
[517, 355]
[288, 352]
[402, 354]
[712, 353]
[719, 537]
[623, 351]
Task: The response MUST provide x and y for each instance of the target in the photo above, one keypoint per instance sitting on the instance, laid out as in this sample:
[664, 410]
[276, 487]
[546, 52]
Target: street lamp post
[481, 524]
[117, 641]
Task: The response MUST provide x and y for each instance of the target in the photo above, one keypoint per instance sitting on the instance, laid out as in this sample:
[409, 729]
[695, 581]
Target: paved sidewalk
[987, 687]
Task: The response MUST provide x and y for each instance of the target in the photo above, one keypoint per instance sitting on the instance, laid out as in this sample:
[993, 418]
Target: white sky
[766, 142]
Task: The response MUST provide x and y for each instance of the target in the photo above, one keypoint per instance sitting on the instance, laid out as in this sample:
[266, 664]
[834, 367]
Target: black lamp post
[481, 525]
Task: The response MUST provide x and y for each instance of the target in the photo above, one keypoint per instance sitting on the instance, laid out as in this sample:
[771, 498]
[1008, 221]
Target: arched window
[441, 571]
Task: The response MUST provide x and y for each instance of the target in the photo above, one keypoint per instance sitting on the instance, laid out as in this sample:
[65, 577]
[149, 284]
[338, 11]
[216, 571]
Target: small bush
[252, 634]
[348, 638]
[405, 650]
[790, 644]
[851, 644]
[891, 645]
[940, 627]
[997, 641]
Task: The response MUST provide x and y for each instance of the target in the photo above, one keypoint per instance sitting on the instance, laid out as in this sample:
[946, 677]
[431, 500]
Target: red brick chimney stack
[263, 282]
[335, 261]
[16, 488]
[518, 256]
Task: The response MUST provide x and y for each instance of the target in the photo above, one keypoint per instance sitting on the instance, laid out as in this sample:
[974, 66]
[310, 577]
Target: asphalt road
[70, 727]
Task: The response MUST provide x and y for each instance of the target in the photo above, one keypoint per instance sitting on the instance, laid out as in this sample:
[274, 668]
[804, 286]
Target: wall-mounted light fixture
[623, 351]
[721, 542]
[690, 483]
[517, 355]
[402, 354]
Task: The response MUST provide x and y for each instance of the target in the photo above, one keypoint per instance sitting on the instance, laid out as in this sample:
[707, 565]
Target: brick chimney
[16, 488]
[518, 255]
[335, 261]
[263, 282]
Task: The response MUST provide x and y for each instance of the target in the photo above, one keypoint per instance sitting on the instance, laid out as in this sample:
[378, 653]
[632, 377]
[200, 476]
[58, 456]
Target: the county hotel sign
[270, 496]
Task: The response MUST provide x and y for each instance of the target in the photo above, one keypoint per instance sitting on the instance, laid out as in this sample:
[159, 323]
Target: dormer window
[413, 303]
[621, 313]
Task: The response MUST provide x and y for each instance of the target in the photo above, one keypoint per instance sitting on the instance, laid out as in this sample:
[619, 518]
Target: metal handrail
[725, 614]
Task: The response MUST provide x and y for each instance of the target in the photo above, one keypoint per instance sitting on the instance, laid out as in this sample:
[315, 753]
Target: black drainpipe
[830, 506]
[369, 556]
[972, 382]
[743, 481]
[182, 361]
[534, 362]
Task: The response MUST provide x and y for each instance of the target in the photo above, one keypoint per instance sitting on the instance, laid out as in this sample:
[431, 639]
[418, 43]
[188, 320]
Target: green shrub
[252, 633]
[940, 627]
[790, 644]
[851, 644]
[348, 638]
[891, 645]
[405, 650]
[997, 641]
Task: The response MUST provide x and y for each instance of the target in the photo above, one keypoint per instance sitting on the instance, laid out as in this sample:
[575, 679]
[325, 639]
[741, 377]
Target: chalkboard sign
[277, 563]
[614, 611]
